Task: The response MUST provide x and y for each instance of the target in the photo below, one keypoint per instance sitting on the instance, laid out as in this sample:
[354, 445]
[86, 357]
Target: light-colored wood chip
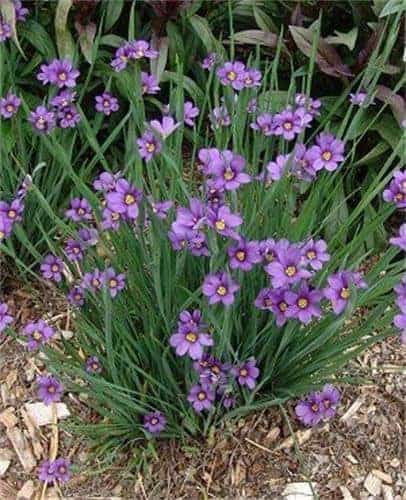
[352, 410]
[22, 448]
[27, 491]
[383, 476]
[8, 417]
[301, 437]
[6, 491]
[4, 465]
[387, 492]
[346, 493]
[41, 414]
[373, 484]
[299, 491]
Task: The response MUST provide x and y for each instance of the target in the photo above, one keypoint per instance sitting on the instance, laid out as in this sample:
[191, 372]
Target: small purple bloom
[310, 410]
[302, 166]
[124, 199]
[65, 98]
[111, 219]
[224, 221]
[79, 210]
[21, 12]
[47, 472]
[400, 240]
[252, 78]
[12, 211]
[140, 49]
[229, 401]
[209, 158]
[68, 117]
[303, 304]
[359, 98]
[49, 389]
[155, 422]
[244, 255]
[52, 268]
[88, 236]
[38, 333]
[220, 287]
[58, 72]
[43, 120]
[209, 61]
[232, 73]
[201, 398]
[330, 398]
[247, 373]
[396, 192]
[314, 254]
[9, 105]
[148, 146]
[5, 318]
[288, 268]
[400, 322]
[264, 299]
[6, 226]
[339, 286]
[93, 280]
[106, 182]
[161, 208]
[288, 123]
[190, 218]
[277, 303]
[114, 282]
[252, 105]
[311, 105]
[164, 128]
[76, 296]
[5, 30]
[106, 103]
[74, 250]
[264, 123]
[220, 117]
[62, 469]
[149, 84]
[328, 152]
[276, 169]
[190, 112]
[189, 340]
[93, 365]
[228, 172]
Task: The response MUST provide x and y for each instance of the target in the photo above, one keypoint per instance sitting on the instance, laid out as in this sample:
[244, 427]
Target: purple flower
[189, 340]
[43, 120]
[310, 410]
[190, 218]
[228, 172]
[148, 146]
[93, 365]
[224, 221]
[268, 249]
[9, 105]
[209, 158]
[149, 84]
[244, 255]
[400, 289]
[79, 210]
[232, 73]
[74, 250]
[314, 254]
[5, 318]
[114, 282]
[124, 199]
[63, 99]
[20, 11]
[311, 105]
[220, 287]
[164, 128]
[106, 103]
[303, 304]
[400, 240]
[276, 169]
[88, 236]
[6, 227]
[252, 78]
[140, 49]
[190, 112]
[201, 398]
[209, 61]
[155, 422]
[5, 30]
[264, 123]
[247, 373]
[220, 117]
[49, 389]
[93, 280]
[211, 371]
[264, 299]
[277, 303]
[76, 296]
[38, 333]
[192, 319]
[330, 398]
[215, 198]
[396, 192]
[121, 58]
[252, 105]
[302, 166]
[289, 123]
[68, 117]
[328, 152]
[161, 208]
[47, 472]
[106, 182]
[62, 469]
[111, 219]
[339, 286]
[359, 98]
[12, 211]
[400, 322]
[52, 268]
[287, 269]
[58, 72]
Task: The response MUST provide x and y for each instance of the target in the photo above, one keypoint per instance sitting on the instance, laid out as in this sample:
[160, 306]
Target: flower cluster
[132, 51]
[396, 191]
[318, 406]
[12, 212]
[57, 470]
[20, 16]
[6, 318]
[238, 76]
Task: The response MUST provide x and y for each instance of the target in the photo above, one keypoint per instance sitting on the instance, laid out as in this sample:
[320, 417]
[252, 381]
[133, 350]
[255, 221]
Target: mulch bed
[357, 455]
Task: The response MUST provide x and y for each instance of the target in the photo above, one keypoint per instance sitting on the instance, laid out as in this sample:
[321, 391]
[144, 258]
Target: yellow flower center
[81, 211]
[232, 76]
[150, 147]
[129, 199]
[124, 58]
[95, 366]
[51, 389]
[115, 215]
[283, 306]
[77, 297]
[399, 197]
[2, 235]
[229, 174]
[345, 293]
[106, 103]
[113, 283]
[287, 126]
[12, 214]
[95, 282]
[139, 53]
[243, 372]
[76, 250]
[248, 80]
[221, 290]
[10, 108]
[315, 407]
[55, 268]
[302, 303]
[191, 337]
[201, 396]
[37, 335]
[62, 76]
[240, 255]
[40, 121]
[327, 155]
[154, 420]
[220, 225]
[290, 271]
[311, 254]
